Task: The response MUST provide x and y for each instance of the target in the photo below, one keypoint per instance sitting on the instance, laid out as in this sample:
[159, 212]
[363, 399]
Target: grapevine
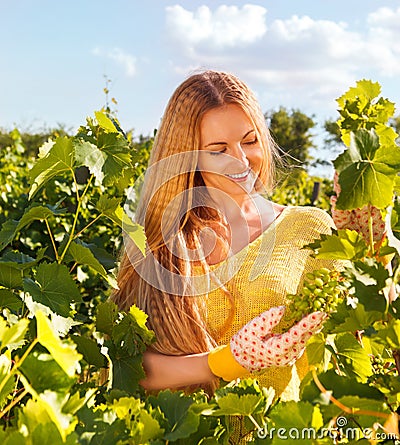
[322, 291]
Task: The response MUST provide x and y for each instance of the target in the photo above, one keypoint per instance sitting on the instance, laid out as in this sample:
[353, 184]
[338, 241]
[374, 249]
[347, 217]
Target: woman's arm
[172, 371]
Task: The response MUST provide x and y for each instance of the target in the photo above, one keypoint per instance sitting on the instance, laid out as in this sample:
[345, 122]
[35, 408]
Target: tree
[292, 132]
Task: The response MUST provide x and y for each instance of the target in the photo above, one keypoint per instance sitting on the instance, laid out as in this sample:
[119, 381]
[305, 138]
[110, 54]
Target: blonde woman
[221, 257]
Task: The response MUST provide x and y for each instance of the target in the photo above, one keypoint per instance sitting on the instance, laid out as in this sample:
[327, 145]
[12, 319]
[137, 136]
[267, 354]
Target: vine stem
[18, 363]
[346, 409]
[396, 356]
[254, 421]
[13, 403]
[52, 238]
[87, 225]
[79, 199]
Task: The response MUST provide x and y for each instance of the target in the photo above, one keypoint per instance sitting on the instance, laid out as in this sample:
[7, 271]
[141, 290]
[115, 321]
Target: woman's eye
[252, 142]
[214, 153]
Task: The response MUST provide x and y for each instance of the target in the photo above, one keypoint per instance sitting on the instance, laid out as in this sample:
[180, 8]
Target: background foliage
[62, 213]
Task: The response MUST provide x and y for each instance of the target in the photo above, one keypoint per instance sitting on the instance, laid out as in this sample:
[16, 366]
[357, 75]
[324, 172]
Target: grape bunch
[322, 291]
[383, 366]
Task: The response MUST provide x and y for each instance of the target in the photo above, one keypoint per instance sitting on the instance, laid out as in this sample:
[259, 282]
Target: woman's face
[230, 152]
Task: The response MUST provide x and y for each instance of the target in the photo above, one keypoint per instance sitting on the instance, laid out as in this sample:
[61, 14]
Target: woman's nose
[239, 154]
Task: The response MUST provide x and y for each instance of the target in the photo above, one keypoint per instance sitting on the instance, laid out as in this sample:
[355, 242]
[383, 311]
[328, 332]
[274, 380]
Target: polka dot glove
[254, 347]
[357, 219]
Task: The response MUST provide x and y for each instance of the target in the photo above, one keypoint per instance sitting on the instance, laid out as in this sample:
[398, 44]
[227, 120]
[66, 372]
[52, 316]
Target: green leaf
[44, 373]
[317, 354]
[105, 122]
[89, 155]
[10, 228]
[106, 317]
[367, 172]
[110, 208]
[10, 275]
[62, 352]
[53, 287]
[21, 260]
[364, 89]
[353, 356]
[13, 336]
[390, 335]
[141, 424]
[46, 411]
[294, 420]
[340, 386]
[90, 351]
[123, 365]
[356, 403]
[235, 405]
[342, 244]
[32, 214]
[356, 319]
[131, 332]
[116, 153]
[5, 368]
[10, 301]
[58, 160]
[83, 255]
[181, 420]
[7, 232]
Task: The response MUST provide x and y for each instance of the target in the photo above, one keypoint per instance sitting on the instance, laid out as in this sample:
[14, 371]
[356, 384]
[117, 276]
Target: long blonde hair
[173, 217]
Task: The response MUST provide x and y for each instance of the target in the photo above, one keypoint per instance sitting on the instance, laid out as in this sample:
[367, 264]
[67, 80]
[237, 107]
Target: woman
[221, 257]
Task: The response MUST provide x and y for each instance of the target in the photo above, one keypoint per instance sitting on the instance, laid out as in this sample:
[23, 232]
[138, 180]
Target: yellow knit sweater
[260, 276]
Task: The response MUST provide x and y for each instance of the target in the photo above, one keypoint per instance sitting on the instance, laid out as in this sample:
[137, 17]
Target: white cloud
[310, 60]
[127, 61]
[227, 26]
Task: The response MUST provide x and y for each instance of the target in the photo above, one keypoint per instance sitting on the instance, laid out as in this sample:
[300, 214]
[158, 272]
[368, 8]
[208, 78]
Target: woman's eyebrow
[224, 143]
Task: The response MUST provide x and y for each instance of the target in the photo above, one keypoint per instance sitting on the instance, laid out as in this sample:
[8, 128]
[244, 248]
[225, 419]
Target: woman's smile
[230, 152]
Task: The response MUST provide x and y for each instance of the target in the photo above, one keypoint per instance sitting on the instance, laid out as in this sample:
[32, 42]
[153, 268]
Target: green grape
[378, 364]
[321, 291]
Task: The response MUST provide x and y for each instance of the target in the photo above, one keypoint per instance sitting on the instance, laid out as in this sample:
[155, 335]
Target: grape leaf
[317, 354]
[340, 386]
[63, 353]
[343, 244]
[181, 420]
[364, 90]
[13, 335]
[89, 155]
[353, 356]
[131, 333]
[356, 319]
[106, 317]
[58, 160]
[367, 172]
[53, 287]
[10, 275]
[9, 385]
[7, 232]
[235, 405]
[10, 228]
[116, 153]
[390, 335]
[355, 402]
[126, 365]
[105, 122]
[90, 351]
[83, 255]
[9, 300]
[44, 373]
[110, 208]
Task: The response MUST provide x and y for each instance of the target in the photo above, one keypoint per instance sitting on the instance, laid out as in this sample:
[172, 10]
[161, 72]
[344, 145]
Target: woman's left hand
[358, 219]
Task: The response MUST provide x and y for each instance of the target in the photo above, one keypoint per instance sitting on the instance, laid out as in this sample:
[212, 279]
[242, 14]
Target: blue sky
[295, 53]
